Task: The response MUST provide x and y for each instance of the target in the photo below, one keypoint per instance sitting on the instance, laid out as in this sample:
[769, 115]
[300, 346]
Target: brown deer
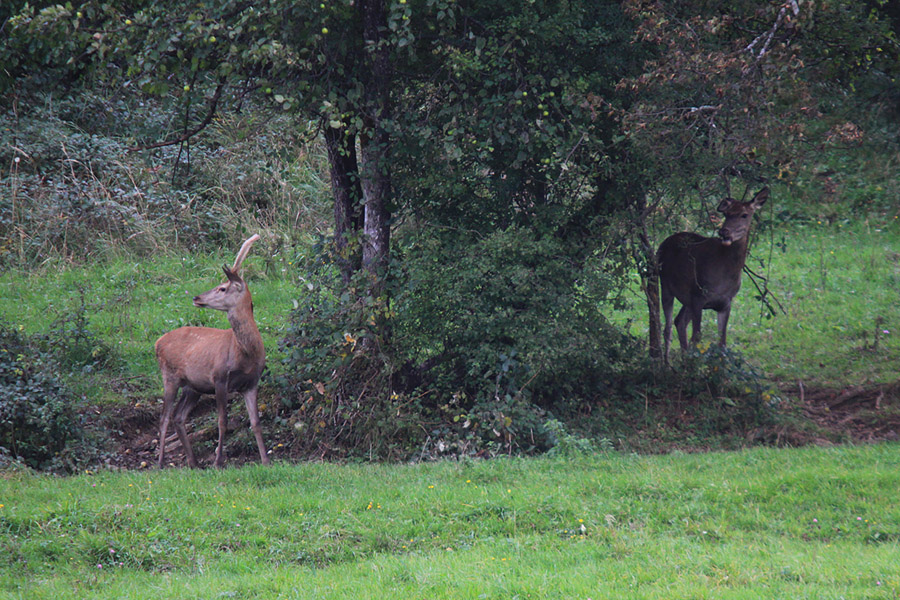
[705, 272]
[204, 360]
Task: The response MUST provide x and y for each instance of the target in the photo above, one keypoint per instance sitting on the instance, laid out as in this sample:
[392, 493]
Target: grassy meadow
[763, 523]
[129, 303]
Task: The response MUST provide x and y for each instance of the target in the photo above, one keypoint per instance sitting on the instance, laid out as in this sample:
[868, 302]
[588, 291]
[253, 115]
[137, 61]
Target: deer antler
[242, 253]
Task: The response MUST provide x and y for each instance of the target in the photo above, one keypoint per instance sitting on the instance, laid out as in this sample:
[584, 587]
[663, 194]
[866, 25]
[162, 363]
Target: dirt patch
[855, 414]
[134, 431]
[858, 414]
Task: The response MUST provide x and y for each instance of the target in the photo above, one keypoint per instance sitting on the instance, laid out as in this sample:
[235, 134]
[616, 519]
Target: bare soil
[136, 437]
[821, 416]
[857, 414]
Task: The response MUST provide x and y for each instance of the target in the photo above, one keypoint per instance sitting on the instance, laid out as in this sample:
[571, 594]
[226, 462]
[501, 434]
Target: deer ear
[760, 198]
[724, 204]
[234, 279]
[232, 275]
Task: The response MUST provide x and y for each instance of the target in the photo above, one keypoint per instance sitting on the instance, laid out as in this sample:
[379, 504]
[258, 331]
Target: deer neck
[737, 251]
[246, 333]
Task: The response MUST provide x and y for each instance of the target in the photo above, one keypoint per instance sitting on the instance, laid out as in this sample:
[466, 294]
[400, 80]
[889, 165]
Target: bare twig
[769, 35]
[213, 103]
[764, 292]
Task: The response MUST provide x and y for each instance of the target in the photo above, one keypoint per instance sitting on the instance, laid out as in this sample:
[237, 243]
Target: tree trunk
[646, 255]
[650, 285]
[348, 216]
[376, 188]
[374, 146]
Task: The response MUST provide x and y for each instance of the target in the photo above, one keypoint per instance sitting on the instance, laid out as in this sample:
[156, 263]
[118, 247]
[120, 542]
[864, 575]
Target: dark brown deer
[204, 360]
[705, 272]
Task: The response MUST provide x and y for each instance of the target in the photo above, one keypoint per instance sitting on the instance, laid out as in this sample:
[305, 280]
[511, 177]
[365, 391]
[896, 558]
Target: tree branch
[213, 103]
[795, 8]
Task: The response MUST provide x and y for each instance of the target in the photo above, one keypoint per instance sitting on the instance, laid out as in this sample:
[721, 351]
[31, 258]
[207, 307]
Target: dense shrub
[489, 338]
[37, 420]
[710, 398]
[736, 399]
[72, 192]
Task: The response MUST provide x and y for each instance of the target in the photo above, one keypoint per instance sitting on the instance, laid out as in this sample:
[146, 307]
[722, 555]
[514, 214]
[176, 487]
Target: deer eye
[223, 288]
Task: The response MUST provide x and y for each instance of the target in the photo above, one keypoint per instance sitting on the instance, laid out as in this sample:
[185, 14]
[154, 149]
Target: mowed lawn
[763, 523]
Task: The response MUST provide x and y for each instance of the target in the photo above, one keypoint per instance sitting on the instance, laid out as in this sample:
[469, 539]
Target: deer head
[233, 292]
[738, 216]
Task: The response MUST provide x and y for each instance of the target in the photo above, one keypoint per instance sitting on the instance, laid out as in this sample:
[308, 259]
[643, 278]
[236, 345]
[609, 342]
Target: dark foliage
[37, 420]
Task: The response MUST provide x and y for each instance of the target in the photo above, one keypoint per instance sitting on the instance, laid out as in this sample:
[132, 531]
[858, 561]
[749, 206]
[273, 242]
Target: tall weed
[76, 189]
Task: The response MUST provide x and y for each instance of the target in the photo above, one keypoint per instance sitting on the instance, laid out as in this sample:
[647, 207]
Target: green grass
[130, 303]
[807, 523]
[839, 285]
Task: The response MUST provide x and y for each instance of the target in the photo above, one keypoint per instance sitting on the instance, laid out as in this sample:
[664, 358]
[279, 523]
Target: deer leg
[696, 321]
[222, 408]
[253, 411]
[185, 405]
[681, 326]
[169, 391]
[722, 318]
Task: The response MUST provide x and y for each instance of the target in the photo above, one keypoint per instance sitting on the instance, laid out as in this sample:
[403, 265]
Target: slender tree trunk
[345, 186]
[374, 146]
[646, 255]
[376, 188]
[650, 285]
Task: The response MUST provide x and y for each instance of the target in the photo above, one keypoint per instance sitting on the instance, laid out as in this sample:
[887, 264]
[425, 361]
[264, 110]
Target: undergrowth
[76, 189]
[39, 421]
[524, 385]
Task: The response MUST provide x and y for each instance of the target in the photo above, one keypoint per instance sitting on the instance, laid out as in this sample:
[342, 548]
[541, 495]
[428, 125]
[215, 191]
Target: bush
[74, 344]
[712, 398]
[736, 397]
[337, 380]
[71, 192]
[488, 338]
[37, 420]
[512, 315]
